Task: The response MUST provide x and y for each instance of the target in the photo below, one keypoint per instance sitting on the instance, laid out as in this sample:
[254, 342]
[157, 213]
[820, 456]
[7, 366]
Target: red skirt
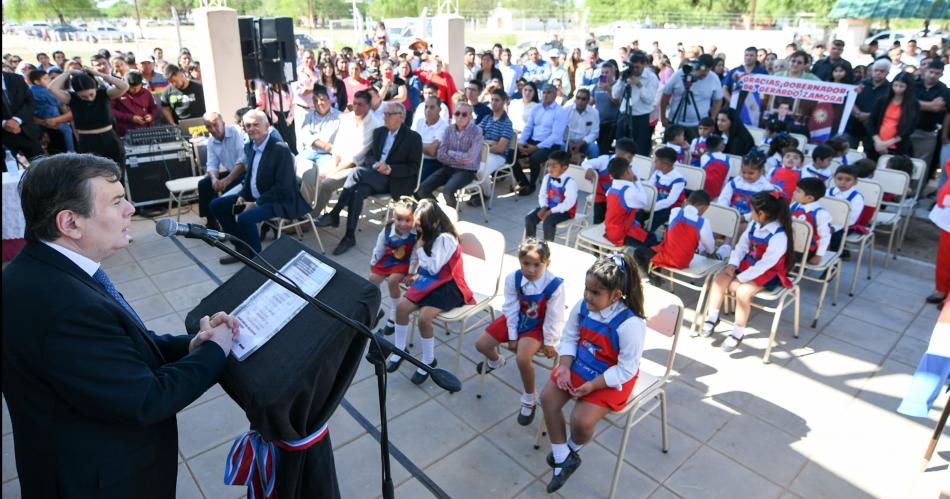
[609, 397]
[498, 329]
[399, 268]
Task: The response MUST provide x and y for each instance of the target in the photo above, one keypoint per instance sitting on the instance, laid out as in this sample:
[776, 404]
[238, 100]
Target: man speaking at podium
[92, 393]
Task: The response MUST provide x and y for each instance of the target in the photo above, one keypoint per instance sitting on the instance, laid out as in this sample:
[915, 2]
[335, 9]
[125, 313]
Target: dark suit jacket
[404, 158]
[21, 105]
[276, 180]
[92, 395]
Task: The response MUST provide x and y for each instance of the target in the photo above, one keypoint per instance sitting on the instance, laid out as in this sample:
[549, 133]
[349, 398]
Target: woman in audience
[520, 109]
[90, 104]
[737, 137]
[334, 85]
[894, 118]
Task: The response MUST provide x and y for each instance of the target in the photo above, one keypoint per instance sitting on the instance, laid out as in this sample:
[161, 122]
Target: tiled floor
[818, 421]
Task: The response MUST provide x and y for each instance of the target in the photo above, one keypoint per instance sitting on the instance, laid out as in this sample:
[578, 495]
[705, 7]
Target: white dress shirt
[570, 193]
[258, 152]
[583, 126]
[641, 98]
[853, 197]
[353, 138]
[86, 264]
[420, 114]
[676, 189]
[632, 335]
[554, 311]
[775, 251]
[634, 197]
[443, 248]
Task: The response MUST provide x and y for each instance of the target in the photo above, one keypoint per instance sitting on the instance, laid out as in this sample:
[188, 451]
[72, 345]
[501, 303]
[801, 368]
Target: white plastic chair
[802, 140]
[758, 134]
[475, 186]
[724, 221]
[695, 176]
[801, 241]
[571, 265]
[506, 171]
[893, 182]
[907, 203]
[854, 155]
[279, 223]
[181, 190]
[735, 166]
[585, 208]
[592, 238]
[830, 265]
[873, 195]
[642, 166]
[483, 250]
[664, 313]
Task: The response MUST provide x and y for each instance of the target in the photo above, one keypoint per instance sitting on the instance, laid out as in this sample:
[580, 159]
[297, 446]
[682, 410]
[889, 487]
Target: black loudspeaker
[278, 52]
[247, 30]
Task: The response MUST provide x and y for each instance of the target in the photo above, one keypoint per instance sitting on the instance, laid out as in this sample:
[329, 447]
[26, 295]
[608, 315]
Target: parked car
[305, 42]
[65, 32]
[108, 33]
[34, 28]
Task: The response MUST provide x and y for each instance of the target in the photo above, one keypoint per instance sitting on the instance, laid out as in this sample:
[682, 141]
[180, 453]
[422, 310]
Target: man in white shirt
[352, 141]
[429, 90]
[431, 127]
[583, 126]
[316, 136]
[225, 165]
[636, 91]
[705, 89]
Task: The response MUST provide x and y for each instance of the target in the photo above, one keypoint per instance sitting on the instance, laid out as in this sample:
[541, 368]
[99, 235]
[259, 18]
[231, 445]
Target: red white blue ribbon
[252, 461]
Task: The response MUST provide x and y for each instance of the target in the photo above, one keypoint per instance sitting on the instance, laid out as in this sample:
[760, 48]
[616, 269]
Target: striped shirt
[461, 149]
[497, 130]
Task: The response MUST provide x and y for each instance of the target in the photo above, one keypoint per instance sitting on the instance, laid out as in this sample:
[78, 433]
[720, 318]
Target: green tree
[61, 10]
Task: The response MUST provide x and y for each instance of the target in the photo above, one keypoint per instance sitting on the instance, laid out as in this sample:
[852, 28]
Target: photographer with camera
[695, 92]
[636, 90]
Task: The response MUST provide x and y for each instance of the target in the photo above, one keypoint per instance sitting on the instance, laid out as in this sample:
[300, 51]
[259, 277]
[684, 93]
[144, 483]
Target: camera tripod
[679, 114]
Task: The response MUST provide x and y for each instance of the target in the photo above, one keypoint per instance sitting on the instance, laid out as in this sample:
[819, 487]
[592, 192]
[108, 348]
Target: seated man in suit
[269, 188]
[20, 134]
[391, 165]
[92, 392]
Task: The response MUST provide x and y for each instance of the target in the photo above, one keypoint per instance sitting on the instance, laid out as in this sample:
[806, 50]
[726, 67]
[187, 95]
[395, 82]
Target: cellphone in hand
[237, 209]
[603, 79]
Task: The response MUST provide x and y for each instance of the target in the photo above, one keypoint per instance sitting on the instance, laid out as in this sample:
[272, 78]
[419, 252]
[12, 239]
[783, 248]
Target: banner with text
[817, 109]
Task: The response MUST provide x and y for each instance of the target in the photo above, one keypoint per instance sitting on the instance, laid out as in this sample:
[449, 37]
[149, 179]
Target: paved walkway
[818, 421]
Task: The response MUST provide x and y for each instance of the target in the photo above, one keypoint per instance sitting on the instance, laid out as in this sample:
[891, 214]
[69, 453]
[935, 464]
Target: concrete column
[853, 33]
[448, 40]
[219, 51]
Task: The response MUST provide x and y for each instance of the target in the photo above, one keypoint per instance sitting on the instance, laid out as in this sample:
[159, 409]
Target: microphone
[168, 227]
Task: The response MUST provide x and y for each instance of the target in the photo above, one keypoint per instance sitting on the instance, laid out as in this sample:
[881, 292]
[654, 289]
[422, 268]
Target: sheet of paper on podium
[271, 307]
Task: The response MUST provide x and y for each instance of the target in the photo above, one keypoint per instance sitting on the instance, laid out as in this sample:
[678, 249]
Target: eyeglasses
[459, 114]
[796, 61]
[391, 114]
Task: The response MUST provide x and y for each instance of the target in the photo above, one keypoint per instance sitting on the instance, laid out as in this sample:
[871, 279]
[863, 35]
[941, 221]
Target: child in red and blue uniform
[786, 177]
[597, 172]
[822, 166]
[674, 137]
[600, 350]
[557, 198]
[689, 233]
[438, 284]
[806, 207]
[625, 199]
[762, 259]
[751, 180]
[670, 187]
[392, 255]
[716, 164]
[846, 177]
[699, 145]
[531, 320]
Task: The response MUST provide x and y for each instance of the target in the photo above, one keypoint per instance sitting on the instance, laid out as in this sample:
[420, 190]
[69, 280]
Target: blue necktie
[103, 279]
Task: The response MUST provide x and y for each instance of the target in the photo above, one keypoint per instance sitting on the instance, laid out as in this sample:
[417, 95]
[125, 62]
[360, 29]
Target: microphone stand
[379, 349]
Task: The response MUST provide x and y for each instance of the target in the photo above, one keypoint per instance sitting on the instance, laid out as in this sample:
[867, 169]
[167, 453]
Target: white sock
[713, 315]
[560, 452]
[737, 332]
[428, 351]
[495, 364]
[392, 310]
[527, 403]
[402, 331]
[528, 398]
[573, 446]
